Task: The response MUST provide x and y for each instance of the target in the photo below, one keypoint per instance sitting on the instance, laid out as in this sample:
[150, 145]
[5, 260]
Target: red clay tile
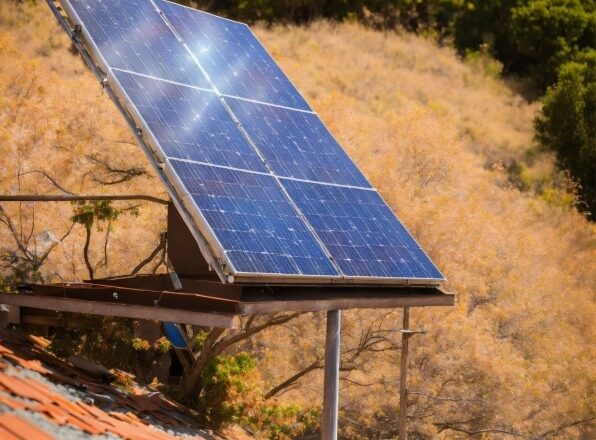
[5, 434]
[22, 429]
[21, 388]
[12, 403]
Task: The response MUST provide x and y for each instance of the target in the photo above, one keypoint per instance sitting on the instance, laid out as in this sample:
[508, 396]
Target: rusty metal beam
[163, 314]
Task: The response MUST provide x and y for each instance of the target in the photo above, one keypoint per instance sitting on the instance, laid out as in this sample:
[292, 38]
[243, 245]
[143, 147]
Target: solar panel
[130, 35]
[259, 230]
[232, 57]
[296, 144]
[188, 123]
[360, 231]
[271, 195]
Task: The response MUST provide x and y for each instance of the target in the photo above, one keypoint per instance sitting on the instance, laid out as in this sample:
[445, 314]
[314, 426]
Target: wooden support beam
[331, 385]
[163, 314]
[320, 299]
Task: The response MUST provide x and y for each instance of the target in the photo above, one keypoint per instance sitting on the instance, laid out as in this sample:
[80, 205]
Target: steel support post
[403, 377]
[331, 386]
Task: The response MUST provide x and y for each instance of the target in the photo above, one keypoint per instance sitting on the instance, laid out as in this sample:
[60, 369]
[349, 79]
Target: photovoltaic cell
[233, 58]
[272, 190]
[360, 231]
[189, 123]
[131, 35]
[256, 225]
[296, 144]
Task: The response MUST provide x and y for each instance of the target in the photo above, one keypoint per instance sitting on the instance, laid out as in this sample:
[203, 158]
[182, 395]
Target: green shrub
[531, 38]
[567, 124]
[228, 390]
[232, 393]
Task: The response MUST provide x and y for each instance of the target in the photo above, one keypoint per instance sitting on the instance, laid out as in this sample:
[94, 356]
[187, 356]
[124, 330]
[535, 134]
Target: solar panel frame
[207, 241]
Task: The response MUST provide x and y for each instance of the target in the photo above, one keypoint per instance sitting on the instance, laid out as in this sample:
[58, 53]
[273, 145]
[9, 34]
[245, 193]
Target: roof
[45, 397]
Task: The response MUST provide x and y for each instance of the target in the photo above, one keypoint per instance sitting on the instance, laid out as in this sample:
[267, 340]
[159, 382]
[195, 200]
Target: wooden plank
[311, 303]
[141, 297]
[218, 320]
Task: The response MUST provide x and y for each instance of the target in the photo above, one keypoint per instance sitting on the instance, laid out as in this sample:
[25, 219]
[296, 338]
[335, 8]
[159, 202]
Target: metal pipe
[75, 198]
[403, 376]
[331, 385]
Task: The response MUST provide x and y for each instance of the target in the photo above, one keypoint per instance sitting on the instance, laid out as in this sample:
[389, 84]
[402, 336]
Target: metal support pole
[75, 198]
[331, 386]
[403, 376]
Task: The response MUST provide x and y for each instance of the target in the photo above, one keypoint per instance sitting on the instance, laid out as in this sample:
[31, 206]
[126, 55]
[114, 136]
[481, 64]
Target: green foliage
[232, 393]
[99, 338]
[140, 344]
[567, 124]
[87, 213]
[531, 38]
[199, 339]
[282, 422]
[228, 382]
[162, 345]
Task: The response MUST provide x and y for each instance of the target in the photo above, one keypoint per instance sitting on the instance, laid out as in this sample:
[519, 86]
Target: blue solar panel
[233, 58]
[189, 123]
[360, 231]
[131, 35]
[296, 144]
[272, 192]
[254, 222]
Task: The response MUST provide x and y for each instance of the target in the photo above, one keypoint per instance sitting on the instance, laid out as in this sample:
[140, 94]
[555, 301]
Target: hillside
[435, 135]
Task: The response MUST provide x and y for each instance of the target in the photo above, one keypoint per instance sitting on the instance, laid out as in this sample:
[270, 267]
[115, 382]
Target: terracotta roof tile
[22, 429]
[127, 415]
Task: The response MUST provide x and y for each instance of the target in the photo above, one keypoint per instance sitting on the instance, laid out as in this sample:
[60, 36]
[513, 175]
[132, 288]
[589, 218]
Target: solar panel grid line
[352, 222]
[170, 64]
[161, 79]
[141, 128]
[295, 88]
[211, 245]
[249, 139]
[326, 183]
[268, 103]
[297, 145]
[132, 124]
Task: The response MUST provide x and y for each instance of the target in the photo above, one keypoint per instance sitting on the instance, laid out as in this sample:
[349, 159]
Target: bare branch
[114, 175]
[50, 178]
[161, 245]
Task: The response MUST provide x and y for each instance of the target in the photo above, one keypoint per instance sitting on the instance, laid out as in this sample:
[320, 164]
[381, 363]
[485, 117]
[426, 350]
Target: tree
[567, 124]
[531, 38]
